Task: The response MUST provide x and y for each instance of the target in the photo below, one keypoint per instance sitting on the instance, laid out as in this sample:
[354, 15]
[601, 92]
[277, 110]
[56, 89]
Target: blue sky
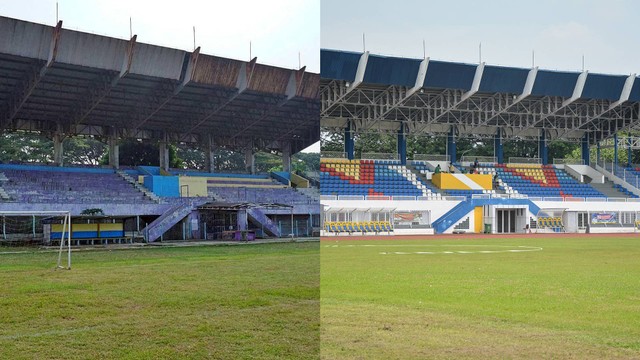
[607, 33]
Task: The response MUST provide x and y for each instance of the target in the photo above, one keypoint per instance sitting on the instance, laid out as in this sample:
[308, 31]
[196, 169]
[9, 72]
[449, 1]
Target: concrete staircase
[422, 177]
[139, 187]
[3, 193]
[608, 190]
[165, 221]
[258, 217]
[311, 192]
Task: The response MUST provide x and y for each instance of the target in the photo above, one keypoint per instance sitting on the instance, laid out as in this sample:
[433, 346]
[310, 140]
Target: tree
[84, 151]
[135, 152]
[25, 147]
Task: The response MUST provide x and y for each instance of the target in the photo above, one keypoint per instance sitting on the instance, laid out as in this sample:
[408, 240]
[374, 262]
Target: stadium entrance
[509, 220]
[506, 220]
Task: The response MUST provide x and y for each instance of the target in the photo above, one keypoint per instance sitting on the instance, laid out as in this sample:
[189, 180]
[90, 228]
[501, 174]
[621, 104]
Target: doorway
[509, 221]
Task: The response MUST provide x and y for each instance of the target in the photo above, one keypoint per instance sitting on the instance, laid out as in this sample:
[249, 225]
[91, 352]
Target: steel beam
[186, 79]
[33, 78]
[244, 79]
[103, 88]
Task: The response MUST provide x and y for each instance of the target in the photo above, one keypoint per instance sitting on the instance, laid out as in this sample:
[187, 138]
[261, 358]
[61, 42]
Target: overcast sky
[607, 32]
[279, 30]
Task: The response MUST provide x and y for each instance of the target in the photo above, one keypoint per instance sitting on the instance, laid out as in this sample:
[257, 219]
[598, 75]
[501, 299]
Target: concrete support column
[585, 149]
[451, 144]
[615, 149]
[498, 147]
[543, 147]
[402, 145]
[286, 157]
[114, 152]
[164, 155]
[349, 144]
[243, 221]
[58, 149]
[629, 152]
[210, 154]
[249, 161]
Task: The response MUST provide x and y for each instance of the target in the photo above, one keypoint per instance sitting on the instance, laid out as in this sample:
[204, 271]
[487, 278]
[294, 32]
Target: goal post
[19, 227]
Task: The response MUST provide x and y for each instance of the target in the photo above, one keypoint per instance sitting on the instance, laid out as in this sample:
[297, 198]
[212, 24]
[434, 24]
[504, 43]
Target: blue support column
[543, 148]
[498, 148]
[402, 145]
[615, 149]
[451, 144]
[629, 154]
[349, 147]
[585, 149]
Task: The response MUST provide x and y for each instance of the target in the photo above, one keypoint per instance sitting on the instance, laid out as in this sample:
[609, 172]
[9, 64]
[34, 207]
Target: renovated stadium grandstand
[60, 83]
[362, 93]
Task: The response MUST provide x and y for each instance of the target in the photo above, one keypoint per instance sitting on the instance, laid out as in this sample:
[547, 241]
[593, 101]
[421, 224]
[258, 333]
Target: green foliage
[84, 151]
[25, 147]
[92, 211]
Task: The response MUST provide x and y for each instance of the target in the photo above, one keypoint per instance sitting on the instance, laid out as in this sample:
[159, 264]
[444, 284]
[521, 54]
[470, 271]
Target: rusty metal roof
[54, 79]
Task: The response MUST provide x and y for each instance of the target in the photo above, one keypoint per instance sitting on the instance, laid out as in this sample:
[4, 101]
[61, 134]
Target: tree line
[432, 144]
[28, 147]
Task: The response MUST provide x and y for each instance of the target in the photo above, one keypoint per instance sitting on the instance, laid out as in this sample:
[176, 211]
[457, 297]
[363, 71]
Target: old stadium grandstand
[62, 83]
[448, 192]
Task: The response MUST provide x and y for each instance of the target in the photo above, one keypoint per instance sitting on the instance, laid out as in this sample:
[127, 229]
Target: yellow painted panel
[253, 180]
[448, 181]
[299, 181]
[258, 186]
[84, 227]
[111, 227]
[484, 180]
[197, 185]
[477, 218]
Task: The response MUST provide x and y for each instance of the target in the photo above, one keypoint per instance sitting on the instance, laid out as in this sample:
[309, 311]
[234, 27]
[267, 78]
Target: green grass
[577, 298]
[234, 302]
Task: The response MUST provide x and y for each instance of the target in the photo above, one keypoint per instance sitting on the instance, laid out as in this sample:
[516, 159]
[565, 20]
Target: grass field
[502, 297]
[233, 302]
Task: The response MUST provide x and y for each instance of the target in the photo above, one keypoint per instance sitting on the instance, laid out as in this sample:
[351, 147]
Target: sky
[558, 33]
[284, 33]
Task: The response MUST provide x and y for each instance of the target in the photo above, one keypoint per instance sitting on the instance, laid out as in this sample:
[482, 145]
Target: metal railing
[333, 155]
[380, 156]
[524, 160]
[568, 162]
[430, 157]
[481, 159]
[474, 196]
[630, 177]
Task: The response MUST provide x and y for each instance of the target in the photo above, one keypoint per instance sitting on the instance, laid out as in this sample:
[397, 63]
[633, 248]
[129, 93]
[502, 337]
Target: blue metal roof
[449, 75]
[342, 65]
[635, 91]
[503, 79]
[339, 65]
[555, 83]
[607, 87]
[389, 70]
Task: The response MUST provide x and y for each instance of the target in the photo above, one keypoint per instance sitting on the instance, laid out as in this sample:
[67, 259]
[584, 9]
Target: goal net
[38, 228]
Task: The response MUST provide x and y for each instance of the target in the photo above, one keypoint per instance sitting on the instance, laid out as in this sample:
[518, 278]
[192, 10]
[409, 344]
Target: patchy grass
[577, 298]
[255, 301]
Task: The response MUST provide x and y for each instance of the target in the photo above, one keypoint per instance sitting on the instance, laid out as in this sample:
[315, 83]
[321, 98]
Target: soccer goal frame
[65, 237]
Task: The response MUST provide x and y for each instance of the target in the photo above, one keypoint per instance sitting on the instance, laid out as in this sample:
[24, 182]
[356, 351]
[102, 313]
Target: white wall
[579, 171]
